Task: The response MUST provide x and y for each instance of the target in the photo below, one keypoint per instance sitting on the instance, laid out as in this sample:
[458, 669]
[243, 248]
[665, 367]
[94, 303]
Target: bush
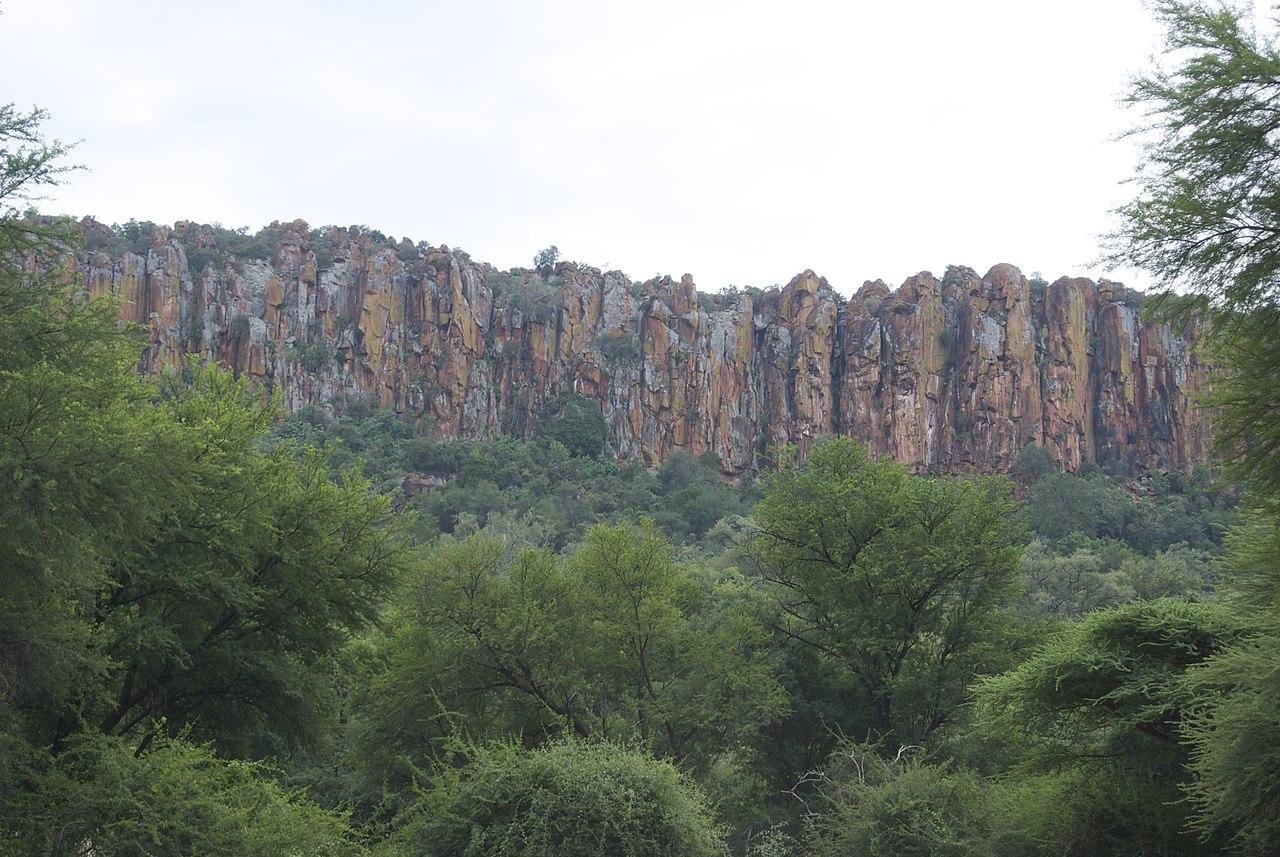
[618, 349]
[199, 258]
[579, 425]
[881, 808]
[433, 456]
[178, 798]
[568, 798]
[1033, 464]
[240, 327]
[313, 356]
[536, 300]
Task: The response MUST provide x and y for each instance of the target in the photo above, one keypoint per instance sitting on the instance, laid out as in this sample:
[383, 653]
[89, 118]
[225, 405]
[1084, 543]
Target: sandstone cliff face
[946, 375]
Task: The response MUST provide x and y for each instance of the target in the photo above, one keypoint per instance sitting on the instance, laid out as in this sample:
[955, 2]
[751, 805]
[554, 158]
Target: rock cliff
[947, 375]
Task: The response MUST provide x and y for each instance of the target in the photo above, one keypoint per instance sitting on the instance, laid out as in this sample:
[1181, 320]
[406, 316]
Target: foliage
[1034, 463]
[619, 640]
[579, 425]
[1164, 510]
[874, 806]
[163, 573]
[240, 328]
[84, 466]
[1105, 699]
[1092, 574]
[264, 565]
[567, 798]
[176, 798]
[1207, 212]
[686, 497]
[618, 349]
[1207, 216]
[1234, 731]
[28, 164]
[897, 581]
[545, 261]
[1110, 683]
[536, 298]
[313, 356]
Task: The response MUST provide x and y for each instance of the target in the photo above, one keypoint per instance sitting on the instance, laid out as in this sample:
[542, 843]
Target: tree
[895, 581]
[579, 425]
[1105, 700]
[263, 564]
[873, 806]
[164, 573]
[1063, 504]
[78, 476]
[1207, 212]
[1072, 584]
[1207, 216]
[501, 636]
[28, 163]
[567, 798]
[1033, 464]
[545, 262]
[1234, 729]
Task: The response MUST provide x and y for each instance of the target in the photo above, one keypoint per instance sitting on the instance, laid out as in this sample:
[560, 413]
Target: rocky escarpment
[947, 374]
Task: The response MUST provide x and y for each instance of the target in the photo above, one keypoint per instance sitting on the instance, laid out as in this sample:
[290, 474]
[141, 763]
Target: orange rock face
[946, 375]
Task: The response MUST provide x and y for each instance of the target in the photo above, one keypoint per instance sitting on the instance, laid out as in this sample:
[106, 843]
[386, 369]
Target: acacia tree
[1102, 703]
[569, 798]
[895, 581]
[262, 565]
[1207, 216]
[619, 641]
[161, 570]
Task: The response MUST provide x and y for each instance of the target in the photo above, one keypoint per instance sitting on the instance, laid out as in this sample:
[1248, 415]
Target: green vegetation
[613, 640]
[313, 356]
[566, 798]
[176, 798]
[535, 297]
[545, 261]
[618, 349]
[890, 587]
[228, 631]
[578, 425]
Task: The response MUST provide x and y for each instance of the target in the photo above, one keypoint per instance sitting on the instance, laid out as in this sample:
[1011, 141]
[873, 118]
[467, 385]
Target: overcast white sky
[739, 141]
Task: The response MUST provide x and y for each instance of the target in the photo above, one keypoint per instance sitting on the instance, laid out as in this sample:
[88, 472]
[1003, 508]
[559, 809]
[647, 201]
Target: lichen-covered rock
[951, 375]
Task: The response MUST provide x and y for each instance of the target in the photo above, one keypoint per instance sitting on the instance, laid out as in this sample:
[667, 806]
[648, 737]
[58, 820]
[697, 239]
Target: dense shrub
[878, 807]
[568, 798]
[545, 262]
[536, 299]
[579, 425]
[99, 798]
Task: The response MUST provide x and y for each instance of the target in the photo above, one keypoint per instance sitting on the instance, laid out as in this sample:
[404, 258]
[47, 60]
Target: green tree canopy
[895, 581]
[1206, 214]
[502, 637]
[1105, 699]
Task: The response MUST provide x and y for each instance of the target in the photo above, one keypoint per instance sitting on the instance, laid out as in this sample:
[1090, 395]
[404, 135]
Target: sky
[740, 142]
